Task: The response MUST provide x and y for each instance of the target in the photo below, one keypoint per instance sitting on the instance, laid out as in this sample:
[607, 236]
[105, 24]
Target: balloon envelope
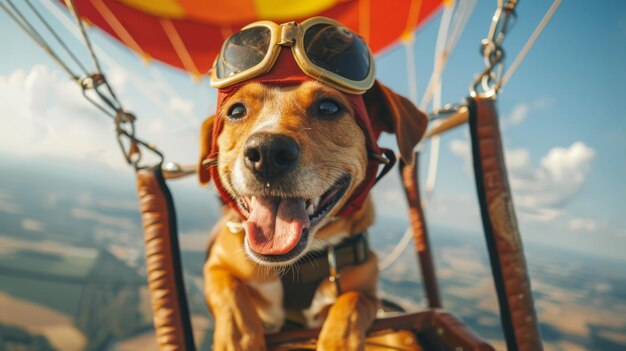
[188, 34]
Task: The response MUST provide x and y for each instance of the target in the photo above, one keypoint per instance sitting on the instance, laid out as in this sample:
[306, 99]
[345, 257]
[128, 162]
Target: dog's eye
[328, 108]
[237, 111]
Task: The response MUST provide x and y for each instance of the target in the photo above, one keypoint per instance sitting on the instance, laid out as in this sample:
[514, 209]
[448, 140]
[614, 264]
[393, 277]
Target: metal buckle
[332, 265]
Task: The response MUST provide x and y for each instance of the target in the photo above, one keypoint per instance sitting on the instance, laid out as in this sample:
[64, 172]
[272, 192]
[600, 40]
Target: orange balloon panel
[188, 34]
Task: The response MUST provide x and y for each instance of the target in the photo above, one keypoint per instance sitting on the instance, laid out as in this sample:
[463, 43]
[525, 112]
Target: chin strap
[389, 160]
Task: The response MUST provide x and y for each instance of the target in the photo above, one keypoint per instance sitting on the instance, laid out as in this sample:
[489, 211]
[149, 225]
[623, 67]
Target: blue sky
[563, 122]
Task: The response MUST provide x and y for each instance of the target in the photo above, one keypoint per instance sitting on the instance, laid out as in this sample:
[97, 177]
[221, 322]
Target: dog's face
[290, 157]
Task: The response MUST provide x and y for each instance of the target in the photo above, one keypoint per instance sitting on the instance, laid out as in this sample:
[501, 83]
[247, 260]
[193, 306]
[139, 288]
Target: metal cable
[23, 23]
[410, 68]
[460, 21]
[57, 37]
[70, 5]
[529, 44]
[108, 104]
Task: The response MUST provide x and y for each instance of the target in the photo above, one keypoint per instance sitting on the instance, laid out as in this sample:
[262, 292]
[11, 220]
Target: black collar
[300, 283]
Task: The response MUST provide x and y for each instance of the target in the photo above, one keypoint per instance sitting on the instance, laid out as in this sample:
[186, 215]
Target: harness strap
[388, 162]
[163, 262]
[300, 286]
[506, 253]
[410, 183]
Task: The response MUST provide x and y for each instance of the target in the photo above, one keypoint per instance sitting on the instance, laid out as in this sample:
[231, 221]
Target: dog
[294, 163]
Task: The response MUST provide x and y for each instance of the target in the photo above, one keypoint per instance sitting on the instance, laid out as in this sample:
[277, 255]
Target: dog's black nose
[271, 155]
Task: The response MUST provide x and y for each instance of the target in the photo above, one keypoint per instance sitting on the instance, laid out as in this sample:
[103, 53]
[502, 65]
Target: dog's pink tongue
[274, 225]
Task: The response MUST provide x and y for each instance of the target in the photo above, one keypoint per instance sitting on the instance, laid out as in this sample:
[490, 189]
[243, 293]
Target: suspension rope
[16, 15]
[136, 81]
[488, 79]
[57, 37]
[72, 7]
[529, 44]
[409, 51]
[90, 84]
[465, 11]
[440, 59]
[445, 46]
[397, 250]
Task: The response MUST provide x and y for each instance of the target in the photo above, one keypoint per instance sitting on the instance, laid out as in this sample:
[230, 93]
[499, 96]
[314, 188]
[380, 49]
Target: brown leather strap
[420, 234]
[163, 265]
[436, 330]
[300, 286]
[506, 253]
[409, 321]
[455, 334]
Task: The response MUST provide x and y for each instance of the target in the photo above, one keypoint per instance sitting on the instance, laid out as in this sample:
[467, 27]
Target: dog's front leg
[237, 325]
[347, 321]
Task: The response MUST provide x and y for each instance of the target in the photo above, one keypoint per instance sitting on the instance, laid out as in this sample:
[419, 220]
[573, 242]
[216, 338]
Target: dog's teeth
[310, 210]
[315, 202]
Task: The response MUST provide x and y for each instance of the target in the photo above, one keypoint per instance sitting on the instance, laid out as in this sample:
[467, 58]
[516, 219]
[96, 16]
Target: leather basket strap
[456, 335]
[434, 328]
[504, 244]
[163, 264]
[410, 184]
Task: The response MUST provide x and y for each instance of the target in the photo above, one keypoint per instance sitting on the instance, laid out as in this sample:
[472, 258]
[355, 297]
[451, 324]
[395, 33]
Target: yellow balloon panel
[279, 10]
[229, 11]
[160, 8]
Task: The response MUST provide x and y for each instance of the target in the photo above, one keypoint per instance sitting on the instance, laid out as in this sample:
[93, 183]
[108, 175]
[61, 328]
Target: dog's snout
[271, 155]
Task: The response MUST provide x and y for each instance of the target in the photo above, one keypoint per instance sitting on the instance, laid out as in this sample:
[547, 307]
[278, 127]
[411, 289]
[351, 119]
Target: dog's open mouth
[277, 228]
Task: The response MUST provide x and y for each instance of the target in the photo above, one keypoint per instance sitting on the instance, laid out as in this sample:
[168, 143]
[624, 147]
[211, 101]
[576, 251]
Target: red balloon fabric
[188, 34]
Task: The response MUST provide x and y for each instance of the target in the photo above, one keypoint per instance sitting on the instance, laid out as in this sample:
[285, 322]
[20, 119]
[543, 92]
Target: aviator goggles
[324, 50]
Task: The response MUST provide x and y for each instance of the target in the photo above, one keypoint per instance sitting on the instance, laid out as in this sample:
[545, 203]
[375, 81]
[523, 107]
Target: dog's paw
[238, 334]
[338, 338]
[347, 321]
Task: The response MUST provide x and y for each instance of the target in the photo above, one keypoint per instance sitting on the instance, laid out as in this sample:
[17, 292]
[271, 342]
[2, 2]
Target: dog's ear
[393, 113]
[206, 137]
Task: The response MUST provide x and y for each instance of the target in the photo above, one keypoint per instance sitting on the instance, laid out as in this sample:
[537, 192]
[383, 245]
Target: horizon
[567, 185]
[65, 187]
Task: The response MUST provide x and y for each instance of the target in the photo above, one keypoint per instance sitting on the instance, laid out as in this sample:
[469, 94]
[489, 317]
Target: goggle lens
[242, 51]
[338, 50]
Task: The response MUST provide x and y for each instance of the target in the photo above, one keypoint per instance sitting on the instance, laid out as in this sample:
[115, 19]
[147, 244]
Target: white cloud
[561, 174]
[620, 233]
[454, 210]
[541, 192]
[182, 106]
[117, 78]
[47, 115]
[582, 224]
[518, 115]
[462, 149]
[32, 225]
[522, 110]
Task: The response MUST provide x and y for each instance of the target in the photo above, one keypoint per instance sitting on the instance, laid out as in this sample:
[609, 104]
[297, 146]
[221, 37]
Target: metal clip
[91, 81]
[332, 265]
[378, 157]
[209, 162]
[488, 81]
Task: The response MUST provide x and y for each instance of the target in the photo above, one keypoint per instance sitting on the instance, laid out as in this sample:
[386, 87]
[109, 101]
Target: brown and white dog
[293, 159]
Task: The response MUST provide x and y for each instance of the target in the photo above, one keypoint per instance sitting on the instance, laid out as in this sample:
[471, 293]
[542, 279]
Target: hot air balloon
[188, 34]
